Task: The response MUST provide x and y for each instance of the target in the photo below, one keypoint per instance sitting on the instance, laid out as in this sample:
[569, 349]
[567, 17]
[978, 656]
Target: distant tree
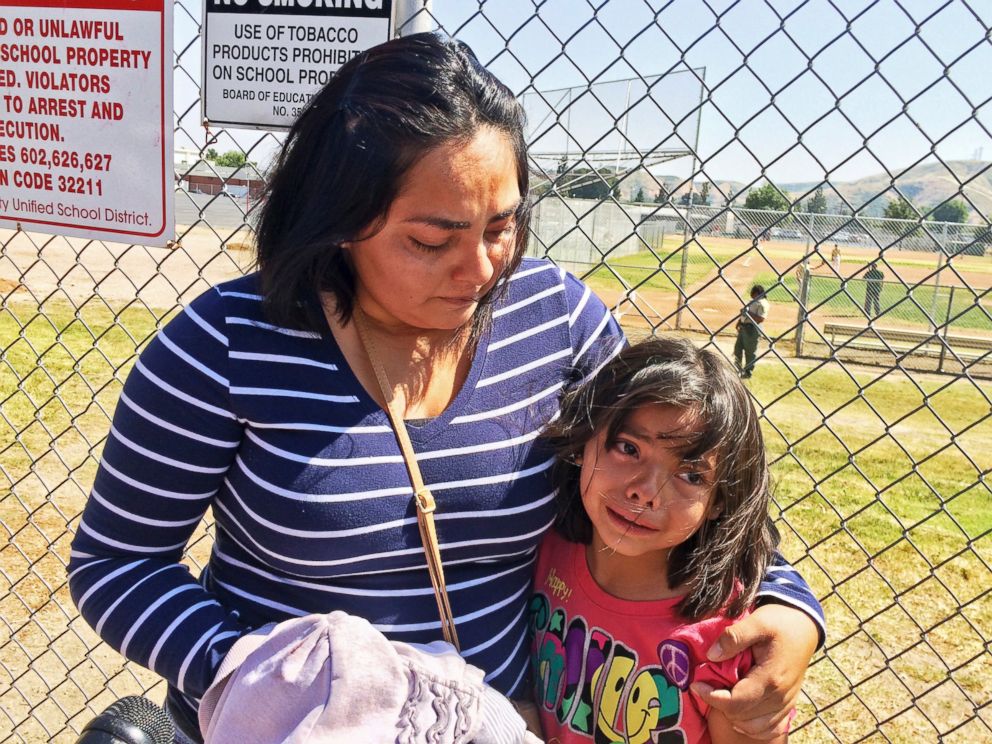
[767, 197]
[704, 194]
[953, 210]
[231, 159]
[639, 196]
[697, 199]
[817, 204]
[899, 209]
[210, 154]
[910, 190]
[662, 196]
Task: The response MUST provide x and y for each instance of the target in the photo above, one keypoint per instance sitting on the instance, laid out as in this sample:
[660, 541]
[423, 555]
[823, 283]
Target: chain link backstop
[682, 152]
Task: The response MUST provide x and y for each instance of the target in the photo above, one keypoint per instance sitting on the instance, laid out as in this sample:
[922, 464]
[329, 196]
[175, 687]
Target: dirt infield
[75, 269]
[714, 302]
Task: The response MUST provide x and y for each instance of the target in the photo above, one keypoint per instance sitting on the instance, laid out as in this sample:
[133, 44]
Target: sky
[819, 90]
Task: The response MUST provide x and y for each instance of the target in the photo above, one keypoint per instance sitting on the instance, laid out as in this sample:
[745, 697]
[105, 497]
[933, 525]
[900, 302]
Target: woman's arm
[784, 585]
[172, 441]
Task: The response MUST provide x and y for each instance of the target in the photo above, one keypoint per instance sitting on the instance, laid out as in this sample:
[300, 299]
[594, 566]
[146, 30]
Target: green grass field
[641, 270]
[879, 485]
[962, 307]
[972, 264]
[880, 492]
[61, 375]
[841, 444]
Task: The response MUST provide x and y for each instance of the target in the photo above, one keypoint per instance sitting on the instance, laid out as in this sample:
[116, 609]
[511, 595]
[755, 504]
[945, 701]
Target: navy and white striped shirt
[269, 428]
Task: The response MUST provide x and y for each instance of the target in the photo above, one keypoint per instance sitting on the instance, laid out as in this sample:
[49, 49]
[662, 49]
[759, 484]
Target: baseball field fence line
[830, 152]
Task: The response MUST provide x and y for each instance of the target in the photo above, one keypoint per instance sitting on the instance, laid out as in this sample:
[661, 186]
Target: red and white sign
[86, 118]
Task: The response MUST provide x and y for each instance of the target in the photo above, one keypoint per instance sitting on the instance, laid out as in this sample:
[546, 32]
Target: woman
[400, 194]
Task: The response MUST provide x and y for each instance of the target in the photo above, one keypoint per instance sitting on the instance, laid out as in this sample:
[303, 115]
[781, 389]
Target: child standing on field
[661, 539]
[753, 314]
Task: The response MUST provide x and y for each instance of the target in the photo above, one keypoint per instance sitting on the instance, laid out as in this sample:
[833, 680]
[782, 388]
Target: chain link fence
[682, 152]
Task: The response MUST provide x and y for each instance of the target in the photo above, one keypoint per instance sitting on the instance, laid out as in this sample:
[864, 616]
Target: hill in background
[925, 185]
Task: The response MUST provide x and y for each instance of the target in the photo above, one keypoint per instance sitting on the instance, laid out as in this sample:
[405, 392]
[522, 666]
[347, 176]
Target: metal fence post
[801, 314]
[941, 261]
[683, 272]
[413, 17]
[947, 328]
[684, 269]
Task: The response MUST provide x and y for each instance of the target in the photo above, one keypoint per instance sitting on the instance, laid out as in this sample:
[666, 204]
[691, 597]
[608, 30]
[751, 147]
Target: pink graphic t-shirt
[612, 670]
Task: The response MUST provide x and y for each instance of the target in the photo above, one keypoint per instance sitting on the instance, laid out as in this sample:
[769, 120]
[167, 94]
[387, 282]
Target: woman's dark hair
[736, 545]
[345, 158]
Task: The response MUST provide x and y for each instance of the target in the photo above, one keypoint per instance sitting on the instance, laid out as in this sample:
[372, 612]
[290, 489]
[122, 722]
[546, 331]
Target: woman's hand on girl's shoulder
[782, 640]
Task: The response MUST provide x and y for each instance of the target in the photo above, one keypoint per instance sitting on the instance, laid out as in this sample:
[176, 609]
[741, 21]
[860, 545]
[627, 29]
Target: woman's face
[446, 237]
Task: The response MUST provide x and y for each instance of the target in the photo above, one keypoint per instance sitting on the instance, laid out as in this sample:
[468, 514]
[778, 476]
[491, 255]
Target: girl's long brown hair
[730, 551]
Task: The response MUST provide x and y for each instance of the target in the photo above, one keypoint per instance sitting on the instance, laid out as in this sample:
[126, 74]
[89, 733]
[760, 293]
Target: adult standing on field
[873, 291]
[752, 316]
[399, 206]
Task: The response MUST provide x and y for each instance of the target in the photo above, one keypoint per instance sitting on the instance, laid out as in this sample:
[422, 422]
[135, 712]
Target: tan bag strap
[422, 496]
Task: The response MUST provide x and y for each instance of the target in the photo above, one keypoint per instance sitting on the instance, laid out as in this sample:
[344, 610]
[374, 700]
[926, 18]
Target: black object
[131, 720]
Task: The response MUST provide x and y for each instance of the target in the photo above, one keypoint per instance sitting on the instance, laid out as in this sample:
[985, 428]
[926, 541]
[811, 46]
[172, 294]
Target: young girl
[662, 537]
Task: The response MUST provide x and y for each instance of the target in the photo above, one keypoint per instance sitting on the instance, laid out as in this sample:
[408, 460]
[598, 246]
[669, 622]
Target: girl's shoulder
[701, 633]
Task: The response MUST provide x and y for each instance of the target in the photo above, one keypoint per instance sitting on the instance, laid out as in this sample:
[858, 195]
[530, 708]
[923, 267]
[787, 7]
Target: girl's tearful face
[640, 491]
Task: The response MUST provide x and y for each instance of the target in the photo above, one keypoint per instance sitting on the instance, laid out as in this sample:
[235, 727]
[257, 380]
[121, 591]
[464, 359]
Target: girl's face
[642, 495]
[446, 238]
